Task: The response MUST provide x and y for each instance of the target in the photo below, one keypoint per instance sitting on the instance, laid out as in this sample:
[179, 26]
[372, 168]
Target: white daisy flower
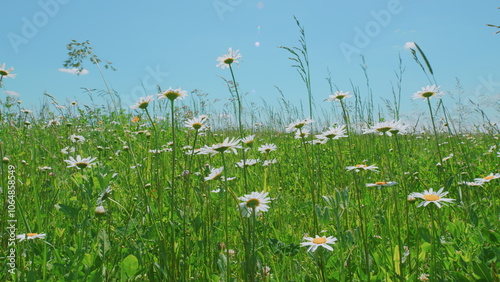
[333, 133]
[338, 96]
[143, 102]
[488, 178]
[360, 167]
[254, 201]
[77, 138]
[227, 59]
[448, 157]
[30, 236]
[472, 184]
[430, 196]
[428, 92]
[100, 211]
[301, 133]
[266, 148]
[318, 141]
[44, 168]
[248, 141]
[248, 162]
[269, 162]
[205, 150]
[423, 277]
[6, 72]
[387, 127]
[53, 122]
[380, 184]
[79, 162]
[228, 144]
[298, 125]
[215, 174]
[315, 243]
[172, 94]
[196, 123]
[68, 150]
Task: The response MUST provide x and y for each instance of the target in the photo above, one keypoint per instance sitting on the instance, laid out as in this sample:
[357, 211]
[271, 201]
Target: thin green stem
[436, 137]
[240, 128]
[312, 187]
[172, 191]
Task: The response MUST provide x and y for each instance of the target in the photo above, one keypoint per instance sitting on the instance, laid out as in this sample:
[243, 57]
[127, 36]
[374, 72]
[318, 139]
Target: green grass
[151, 233]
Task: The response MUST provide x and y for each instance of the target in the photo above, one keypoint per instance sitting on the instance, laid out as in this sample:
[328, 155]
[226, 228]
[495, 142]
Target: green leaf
[68, 210]
[130, 264]
[424, 234]
[482, 270]
[87, 260]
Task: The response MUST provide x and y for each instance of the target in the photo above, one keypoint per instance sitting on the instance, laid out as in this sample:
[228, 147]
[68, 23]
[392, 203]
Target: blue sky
[176, 43]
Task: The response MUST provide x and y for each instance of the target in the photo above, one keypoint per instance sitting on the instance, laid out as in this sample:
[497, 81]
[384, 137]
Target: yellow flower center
[229, 61]
[431, 197]
[361, 165]
[221, 149]
[253, 203]
[135, 119]
[381, 183]
[31, 234]
[489, 177]
[172, 95]
[299, 125]
[427, 94]
[384, 129]
[197, 125]
[2, 73]
[143, 105]
[82, 165]
[319, 240]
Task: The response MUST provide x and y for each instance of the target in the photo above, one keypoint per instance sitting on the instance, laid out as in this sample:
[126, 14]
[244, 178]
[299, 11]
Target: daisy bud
[100, 211]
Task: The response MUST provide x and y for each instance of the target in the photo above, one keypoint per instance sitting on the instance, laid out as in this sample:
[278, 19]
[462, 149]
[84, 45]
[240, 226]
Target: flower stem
[312, 185]
[172, 190]
[435, 135]
[240, 128]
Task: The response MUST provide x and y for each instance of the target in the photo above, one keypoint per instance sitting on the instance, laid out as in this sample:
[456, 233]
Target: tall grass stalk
[240, 128]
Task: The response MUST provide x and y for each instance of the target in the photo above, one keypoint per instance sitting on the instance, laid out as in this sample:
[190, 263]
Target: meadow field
[172, 189]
